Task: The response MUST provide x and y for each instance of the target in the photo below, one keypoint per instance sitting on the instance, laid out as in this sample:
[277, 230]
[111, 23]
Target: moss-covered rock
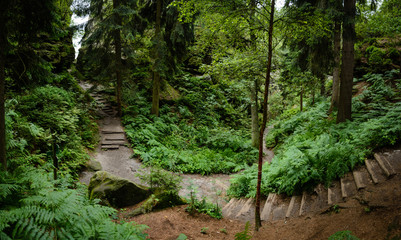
[115, 191]
[159, 200]
[94, 165]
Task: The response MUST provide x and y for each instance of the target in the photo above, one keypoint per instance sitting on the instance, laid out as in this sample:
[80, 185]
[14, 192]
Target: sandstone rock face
[115, 191]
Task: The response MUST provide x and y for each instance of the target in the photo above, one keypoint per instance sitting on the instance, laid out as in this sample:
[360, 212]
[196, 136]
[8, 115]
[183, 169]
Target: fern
[46, 213]
[311, 149]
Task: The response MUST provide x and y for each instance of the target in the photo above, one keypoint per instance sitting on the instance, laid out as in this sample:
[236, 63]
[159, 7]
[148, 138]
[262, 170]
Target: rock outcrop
[115, 191]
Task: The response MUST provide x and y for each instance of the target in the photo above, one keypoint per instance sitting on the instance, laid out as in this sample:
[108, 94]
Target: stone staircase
[280, 207]
[112, 136]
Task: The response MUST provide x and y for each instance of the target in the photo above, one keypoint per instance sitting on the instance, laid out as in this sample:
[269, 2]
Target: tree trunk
[400, 64]
[3, 159]
[255, 88]
[117, 43]
[322, 85]
[336, 69]
[156, 73]
[313, 96]
[301, 100]
[254, 114]
[347, 66]
[258, 222]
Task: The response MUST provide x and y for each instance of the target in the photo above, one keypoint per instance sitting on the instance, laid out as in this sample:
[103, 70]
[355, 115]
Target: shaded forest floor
[378, 219]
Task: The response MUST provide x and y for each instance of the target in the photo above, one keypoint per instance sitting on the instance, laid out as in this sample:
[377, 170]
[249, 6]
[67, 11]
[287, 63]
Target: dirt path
[120, 162]
[378, 218]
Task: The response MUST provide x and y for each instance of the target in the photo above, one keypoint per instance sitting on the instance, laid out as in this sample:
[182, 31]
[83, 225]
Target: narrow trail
[115, 156]
[372, 185]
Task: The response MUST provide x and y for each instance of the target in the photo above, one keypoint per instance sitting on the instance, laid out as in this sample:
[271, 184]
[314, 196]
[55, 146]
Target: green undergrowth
[45, 115]
[33, 206]
[310, 148]
[190, 136]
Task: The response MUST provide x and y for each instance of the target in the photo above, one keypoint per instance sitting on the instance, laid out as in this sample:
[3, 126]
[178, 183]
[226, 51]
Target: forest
[202, 88]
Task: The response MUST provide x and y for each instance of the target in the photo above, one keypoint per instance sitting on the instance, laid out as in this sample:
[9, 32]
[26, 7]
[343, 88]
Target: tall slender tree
[156, 67]
[258, 222]
[117, 47]
[254, 89]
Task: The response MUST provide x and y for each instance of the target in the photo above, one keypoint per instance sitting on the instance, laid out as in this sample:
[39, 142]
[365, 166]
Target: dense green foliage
[59, 116]
[33, 208]
[191, 135]
[310, 148]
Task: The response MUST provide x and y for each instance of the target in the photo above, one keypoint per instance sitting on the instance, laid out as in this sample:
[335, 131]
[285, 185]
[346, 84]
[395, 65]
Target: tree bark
[255, 87]
[156, 73]
[301, 100]
[336, 70]
[117, 44]
[322, 85]
[254, 114]
[258, 222]
[3, 159]
[347, 66]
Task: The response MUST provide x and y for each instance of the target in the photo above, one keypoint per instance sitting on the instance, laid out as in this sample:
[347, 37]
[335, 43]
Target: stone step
[361, 177]
[384, 164]
[112, 131]
[375, 172]
[110, 147]
[293, 208]
[268, 207]
[348, 187]
[120, 143]
[334, 194]
[114, 139]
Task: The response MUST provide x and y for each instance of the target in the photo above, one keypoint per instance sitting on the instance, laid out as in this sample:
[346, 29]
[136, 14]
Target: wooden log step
[334, 195]
[237, 206]
[384, 164]
[246, 209]
[313, 202]
[361, 177]
[228, 206]
[267, 209]
[375, 172]
[348, 187]
[280, 207]
[293, 208]
[394, 158]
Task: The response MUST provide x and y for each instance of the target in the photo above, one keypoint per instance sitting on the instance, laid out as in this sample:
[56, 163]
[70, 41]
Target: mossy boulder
[159, 200]
[115, 191]
[94, 165]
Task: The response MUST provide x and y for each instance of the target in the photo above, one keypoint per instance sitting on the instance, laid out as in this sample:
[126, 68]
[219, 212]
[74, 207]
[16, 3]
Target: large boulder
[115, 191]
